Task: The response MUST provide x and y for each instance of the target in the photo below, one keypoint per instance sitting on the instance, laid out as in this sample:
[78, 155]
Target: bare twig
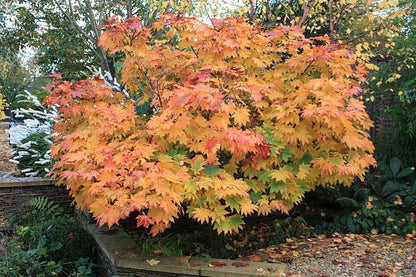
[331, 20]
[307, 67]
[193, 50]
[129, 9]
[149, 84]
[73, 22]
[305, 13]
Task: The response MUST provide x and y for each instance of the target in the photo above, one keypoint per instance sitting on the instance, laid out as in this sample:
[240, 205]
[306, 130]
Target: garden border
[117, 254]
[28, 183]
[17, 191]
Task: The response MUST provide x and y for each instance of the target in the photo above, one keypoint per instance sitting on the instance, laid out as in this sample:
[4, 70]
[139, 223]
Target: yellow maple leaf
[241, 116]
[280, 174]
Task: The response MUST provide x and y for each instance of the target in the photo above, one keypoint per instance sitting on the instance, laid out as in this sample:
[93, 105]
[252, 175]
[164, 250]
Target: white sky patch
[27, 56]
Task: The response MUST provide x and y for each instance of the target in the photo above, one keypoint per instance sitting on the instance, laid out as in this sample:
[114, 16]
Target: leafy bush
[394, 90]
[240, 121]
[391, 184]
[386, 203]
[370, 219]
[31, 140]
[32, 154]
[46, 243]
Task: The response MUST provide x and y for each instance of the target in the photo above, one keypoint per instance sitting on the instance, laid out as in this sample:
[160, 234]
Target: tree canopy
[240, 121]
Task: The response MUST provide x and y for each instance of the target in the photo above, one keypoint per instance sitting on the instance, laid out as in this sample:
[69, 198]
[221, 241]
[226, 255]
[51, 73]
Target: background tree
[394, 91]
[14, 79]
[65, 33]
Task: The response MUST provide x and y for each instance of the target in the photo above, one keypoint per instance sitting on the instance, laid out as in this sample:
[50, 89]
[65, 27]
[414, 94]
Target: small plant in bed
[46, 242]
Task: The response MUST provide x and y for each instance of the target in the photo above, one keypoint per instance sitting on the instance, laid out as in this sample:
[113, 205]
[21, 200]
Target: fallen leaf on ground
[366, 260]
[152, 262]
[183, 260]
[217, 264]
[254, 258]
[239, 264]
[126, 254]
[315, 269]
[338, 261]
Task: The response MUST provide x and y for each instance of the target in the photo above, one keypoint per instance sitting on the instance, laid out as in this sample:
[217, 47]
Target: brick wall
[12, 195]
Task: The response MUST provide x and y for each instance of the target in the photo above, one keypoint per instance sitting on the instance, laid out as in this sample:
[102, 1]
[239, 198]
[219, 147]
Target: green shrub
[46, 242]
[384, 203]
[32, 154]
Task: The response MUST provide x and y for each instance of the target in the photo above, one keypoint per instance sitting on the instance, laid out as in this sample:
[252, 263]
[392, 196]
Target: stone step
[118, 253]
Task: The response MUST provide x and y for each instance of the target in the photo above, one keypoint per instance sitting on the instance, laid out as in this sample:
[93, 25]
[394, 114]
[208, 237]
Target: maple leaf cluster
[241, 121]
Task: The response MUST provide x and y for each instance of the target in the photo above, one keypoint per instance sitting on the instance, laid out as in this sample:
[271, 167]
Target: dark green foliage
[70, 241]
[46, 243]
[292, 226]
[173, 244]
[27, 263]
[396, 100]
[391, 182]
[385, 203]
[44, 205]
[34, 212]
[365, 220]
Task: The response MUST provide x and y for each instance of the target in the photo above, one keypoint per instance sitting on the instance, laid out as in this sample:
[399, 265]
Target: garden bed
[44, 241]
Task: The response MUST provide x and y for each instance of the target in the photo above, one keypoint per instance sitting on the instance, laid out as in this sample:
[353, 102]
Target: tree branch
[305, 13]
[129, 9]
[331, 20]
[343, 9]
[73, 22]
[307, 67]
[149, 84]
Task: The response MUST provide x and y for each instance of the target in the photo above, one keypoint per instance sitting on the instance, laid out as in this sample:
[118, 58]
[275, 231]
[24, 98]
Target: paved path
[6, 167]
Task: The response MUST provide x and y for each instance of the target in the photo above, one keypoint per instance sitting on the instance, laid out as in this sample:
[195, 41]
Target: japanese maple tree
[237, 121]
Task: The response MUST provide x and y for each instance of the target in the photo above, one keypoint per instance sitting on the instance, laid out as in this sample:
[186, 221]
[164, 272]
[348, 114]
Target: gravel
[348, 255]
